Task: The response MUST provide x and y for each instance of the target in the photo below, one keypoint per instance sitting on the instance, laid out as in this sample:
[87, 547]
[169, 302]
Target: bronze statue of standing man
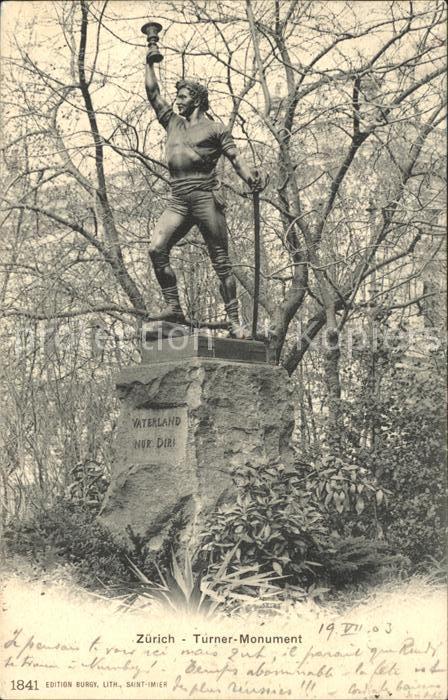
[194, 144]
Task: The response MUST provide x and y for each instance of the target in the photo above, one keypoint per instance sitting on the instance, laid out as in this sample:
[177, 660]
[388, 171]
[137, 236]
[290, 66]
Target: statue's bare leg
[169, 229]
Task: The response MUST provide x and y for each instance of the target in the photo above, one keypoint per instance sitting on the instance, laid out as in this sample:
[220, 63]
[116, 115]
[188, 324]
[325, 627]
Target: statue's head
[191, 94]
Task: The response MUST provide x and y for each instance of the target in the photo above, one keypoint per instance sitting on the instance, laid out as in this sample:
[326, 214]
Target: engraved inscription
[158, 435]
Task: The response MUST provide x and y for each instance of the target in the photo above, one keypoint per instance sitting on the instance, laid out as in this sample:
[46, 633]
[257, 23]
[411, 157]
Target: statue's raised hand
[151, 57]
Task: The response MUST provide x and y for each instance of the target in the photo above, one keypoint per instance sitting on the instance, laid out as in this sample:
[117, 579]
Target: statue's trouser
[182, 212]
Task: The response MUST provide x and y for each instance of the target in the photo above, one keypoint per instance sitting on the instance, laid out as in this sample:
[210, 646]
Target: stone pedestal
[185, 425]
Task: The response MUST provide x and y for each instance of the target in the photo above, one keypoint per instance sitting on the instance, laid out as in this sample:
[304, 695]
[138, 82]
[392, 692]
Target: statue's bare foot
[239, 332]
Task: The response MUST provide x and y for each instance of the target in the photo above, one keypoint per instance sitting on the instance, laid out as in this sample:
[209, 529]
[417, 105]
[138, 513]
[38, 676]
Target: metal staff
[256, 203]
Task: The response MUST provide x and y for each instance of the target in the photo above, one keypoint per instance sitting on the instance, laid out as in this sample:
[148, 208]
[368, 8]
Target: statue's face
[185, 102]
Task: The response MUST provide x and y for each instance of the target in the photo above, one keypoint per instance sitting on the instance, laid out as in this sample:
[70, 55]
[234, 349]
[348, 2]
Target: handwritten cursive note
[90, 655]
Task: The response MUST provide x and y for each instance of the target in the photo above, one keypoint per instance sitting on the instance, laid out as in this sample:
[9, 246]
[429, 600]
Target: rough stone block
[183, 429]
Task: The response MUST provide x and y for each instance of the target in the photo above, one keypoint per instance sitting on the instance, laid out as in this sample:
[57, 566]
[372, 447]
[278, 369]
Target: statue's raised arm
[158, 103]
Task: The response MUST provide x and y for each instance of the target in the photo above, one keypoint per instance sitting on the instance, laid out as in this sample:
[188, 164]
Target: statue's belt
[181, 188]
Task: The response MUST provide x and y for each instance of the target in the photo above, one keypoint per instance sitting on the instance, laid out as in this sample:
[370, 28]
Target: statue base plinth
[169, 342]
[184, 427]
[155, 330]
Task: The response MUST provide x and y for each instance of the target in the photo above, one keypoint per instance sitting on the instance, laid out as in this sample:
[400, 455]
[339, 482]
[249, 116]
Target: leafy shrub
[276, 523]
[350, 498]
[388, 479]
[436, 570]
[68, 533]
[273, 523]
[88, 484]
[354, 559]
[205, 590]
[408, 456]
